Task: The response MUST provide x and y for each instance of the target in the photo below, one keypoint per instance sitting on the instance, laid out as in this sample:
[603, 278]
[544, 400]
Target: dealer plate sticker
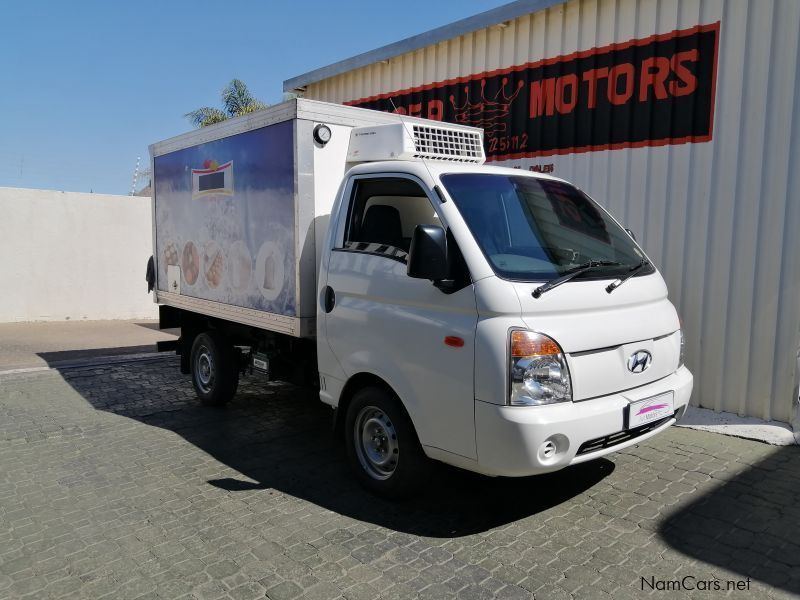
[650, 409]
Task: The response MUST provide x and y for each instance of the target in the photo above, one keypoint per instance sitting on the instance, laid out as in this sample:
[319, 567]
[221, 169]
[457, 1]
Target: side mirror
[427, 257]
[630, 233]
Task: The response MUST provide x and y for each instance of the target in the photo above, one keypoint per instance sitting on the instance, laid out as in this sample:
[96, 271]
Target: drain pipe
[796, 395]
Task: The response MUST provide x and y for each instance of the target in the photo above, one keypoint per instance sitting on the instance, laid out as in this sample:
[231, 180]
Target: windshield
[538, 229]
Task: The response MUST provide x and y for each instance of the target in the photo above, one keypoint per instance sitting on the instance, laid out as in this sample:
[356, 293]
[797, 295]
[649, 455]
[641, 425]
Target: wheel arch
[358, 382]
[223, 365]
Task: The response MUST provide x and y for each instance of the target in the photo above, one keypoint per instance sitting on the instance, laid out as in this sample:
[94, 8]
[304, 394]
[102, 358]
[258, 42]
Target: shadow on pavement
[156, 327]
[749, 525]
[59, 358]
[280, 438]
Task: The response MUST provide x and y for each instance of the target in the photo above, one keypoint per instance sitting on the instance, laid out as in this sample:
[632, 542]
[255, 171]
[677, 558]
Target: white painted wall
[68, 255]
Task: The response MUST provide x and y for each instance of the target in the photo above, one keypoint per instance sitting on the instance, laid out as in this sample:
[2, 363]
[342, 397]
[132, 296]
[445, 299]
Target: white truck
[494, 319]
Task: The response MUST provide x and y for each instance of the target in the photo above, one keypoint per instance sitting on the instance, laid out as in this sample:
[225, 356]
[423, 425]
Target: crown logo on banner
[487, 113]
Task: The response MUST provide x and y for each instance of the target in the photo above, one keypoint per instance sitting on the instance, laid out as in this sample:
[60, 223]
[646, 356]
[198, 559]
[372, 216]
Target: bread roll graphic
[269, 273]
[240, 265]
[171, 255]
[213, 262]
[190, 265]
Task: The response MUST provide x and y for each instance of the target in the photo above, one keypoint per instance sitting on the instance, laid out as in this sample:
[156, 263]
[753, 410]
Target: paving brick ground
[115, 483]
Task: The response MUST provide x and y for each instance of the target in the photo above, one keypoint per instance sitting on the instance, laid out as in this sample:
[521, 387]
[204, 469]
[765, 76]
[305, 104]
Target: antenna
[135, 176]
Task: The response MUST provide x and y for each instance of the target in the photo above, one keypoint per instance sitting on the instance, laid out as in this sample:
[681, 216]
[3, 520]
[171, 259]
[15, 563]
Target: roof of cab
[433, 169]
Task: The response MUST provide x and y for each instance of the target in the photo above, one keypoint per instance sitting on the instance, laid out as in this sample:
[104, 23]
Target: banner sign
[648, 92]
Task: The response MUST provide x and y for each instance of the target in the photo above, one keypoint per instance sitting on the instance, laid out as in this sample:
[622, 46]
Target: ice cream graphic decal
[224, 220]
[212, 179]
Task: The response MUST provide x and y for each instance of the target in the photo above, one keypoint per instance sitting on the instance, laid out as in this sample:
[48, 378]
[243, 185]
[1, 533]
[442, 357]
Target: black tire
[392, 463]
[214, 368]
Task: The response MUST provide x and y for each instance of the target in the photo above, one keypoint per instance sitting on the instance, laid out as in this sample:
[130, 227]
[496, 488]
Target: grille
[448, 144]
[620, 437]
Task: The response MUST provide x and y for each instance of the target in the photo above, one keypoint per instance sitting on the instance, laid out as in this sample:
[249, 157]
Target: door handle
[328, 299]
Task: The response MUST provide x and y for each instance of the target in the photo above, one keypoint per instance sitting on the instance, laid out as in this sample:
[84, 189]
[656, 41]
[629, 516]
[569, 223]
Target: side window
[383, 214]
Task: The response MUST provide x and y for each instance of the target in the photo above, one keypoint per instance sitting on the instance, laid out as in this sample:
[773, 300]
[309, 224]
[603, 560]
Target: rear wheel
[214, 368]
[382, 446]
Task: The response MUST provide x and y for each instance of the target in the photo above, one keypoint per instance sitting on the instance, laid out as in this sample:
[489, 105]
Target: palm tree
[236, 100]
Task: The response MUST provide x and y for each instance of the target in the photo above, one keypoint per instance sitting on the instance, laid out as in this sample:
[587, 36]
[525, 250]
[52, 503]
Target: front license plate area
[648, 410]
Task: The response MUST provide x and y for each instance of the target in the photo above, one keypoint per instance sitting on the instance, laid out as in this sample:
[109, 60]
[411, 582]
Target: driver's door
[418, 339]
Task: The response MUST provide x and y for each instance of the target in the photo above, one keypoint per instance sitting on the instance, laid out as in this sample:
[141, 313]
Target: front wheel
[382, 446]
[214, 369]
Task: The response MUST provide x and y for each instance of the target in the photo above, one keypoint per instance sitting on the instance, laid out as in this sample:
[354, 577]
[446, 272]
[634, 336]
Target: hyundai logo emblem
[639, 361]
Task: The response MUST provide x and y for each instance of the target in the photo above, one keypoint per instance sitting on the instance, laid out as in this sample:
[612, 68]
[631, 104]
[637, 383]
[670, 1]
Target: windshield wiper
[571, 274]
[612, 286]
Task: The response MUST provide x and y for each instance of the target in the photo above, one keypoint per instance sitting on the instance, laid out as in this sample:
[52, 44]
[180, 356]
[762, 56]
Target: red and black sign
[649, 92]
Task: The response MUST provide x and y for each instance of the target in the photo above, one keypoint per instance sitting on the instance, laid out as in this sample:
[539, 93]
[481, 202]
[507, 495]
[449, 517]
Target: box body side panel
[225, 215]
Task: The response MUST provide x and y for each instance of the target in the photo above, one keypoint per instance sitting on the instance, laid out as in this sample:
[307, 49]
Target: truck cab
[494, 319]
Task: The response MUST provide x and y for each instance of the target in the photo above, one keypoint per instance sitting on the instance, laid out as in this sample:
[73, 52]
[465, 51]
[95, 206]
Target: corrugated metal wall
[721, 218]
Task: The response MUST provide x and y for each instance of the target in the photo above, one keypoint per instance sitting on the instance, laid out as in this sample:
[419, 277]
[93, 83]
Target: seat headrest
[382, 226]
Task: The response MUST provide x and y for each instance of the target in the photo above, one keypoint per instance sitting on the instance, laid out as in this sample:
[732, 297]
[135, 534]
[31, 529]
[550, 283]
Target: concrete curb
[776, 433]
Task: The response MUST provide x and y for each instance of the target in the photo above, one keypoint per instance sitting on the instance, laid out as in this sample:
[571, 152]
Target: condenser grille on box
[448, 144]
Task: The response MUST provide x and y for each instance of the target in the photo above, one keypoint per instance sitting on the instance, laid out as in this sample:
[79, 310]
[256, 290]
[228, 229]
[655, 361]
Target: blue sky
[86, 86]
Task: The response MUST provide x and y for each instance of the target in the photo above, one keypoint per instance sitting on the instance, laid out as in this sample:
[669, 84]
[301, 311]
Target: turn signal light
[527, 343]
[454, 341]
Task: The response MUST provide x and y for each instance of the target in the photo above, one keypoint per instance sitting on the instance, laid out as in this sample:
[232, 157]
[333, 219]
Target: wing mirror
[427, 257]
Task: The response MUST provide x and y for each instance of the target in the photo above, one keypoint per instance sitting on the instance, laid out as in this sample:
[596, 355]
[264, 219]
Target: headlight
[682, 355]
[538, 370]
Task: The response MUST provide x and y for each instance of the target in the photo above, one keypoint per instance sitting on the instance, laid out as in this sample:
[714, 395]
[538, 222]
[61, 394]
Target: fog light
[548, 450]
[553, 448]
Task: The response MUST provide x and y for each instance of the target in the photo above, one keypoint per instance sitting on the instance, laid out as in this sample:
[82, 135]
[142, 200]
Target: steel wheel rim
[376, 443]
[205, 371]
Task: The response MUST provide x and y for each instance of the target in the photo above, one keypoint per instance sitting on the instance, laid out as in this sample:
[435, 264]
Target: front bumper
[515, 441]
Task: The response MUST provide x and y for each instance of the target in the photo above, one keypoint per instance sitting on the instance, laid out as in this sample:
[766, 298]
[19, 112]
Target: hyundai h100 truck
[490, 318]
